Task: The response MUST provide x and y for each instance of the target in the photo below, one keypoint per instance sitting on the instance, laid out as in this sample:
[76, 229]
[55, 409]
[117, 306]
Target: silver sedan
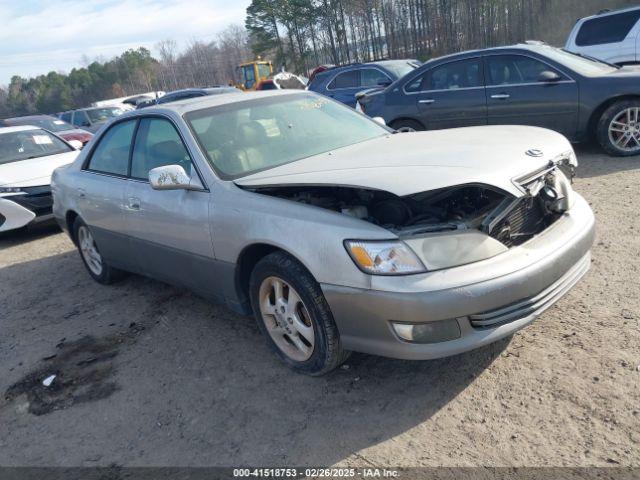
[336, 233]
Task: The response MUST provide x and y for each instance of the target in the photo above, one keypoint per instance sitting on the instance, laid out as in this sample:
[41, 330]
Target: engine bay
[451, 208]
[509, 219]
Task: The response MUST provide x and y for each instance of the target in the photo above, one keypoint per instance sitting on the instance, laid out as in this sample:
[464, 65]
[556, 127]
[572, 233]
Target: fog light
[430, 332]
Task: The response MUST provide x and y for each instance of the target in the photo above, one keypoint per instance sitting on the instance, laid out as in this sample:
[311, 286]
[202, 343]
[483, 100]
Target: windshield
[101, 115]
[16, 146]
[579, 64]
[246, 137]
[400, 69]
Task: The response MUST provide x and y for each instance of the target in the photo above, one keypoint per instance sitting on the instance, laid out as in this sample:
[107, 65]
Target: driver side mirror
[384, 82]
[172, 177]
[548, 76]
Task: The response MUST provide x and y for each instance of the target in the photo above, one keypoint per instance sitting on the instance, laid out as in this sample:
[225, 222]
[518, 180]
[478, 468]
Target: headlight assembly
[384, 257]
[452, 249]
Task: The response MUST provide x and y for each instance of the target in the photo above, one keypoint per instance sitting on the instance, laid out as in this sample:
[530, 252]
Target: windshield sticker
[42, 140]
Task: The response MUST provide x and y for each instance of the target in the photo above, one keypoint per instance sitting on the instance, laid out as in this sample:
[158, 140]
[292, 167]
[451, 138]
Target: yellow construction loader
[252, 73]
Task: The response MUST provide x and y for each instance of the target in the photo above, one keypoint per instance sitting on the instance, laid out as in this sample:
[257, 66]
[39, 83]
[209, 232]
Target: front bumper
[33, 204]
[489, 300]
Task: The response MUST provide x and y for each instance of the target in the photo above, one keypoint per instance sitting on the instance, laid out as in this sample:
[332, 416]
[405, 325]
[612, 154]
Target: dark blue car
[342, 83]
[527, 84]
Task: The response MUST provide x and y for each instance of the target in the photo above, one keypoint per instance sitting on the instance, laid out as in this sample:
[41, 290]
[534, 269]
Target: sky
[37, 36]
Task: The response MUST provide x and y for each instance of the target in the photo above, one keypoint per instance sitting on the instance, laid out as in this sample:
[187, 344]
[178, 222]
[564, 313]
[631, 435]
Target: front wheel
[618, 130]
[294, 316]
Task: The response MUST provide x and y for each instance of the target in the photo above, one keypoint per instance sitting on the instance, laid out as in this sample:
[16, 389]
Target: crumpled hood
[408, 163]
[33, 172]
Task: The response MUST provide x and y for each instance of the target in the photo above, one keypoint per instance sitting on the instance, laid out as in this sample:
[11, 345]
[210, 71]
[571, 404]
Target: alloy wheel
[286, 318]
[89, 251]
[624, 130]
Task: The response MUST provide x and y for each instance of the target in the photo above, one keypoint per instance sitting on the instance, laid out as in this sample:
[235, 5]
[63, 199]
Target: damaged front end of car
[445, 227]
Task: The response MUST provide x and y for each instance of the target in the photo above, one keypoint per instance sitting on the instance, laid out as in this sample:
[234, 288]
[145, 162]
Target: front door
[100, 194]
[452, 95]
[518, 95]
[169, 229]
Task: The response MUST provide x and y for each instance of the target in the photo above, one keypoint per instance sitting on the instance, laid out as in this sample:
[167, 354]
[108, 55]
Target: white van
[612, 36]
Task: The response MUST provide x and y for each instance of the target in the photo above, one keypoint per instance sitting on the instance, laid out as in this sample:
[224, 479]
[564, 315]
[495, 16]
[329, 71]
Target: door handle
[81, 193]
[427, 101]
[501, 96]
[133, 204]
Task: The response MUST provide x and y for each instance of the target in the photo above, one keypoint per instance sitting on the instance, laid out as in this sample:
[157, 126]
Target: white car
[612, 36]
[28, 157]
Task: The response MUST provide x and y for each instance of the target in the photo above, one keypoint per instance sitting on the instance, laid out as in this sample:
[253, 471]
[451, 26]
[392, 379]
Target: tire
[615, 117]
[319, 329]
[405, 126]
[106, 274]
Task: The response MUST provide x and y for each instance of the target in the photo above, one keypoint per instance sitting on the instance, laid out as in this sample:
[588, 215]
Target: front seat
[250, 144]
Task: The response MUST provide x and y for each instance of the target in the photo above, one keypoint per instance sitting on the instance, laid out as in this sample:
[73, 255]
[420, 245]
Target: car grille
[525, 219]
[532, 305]
[37, 199]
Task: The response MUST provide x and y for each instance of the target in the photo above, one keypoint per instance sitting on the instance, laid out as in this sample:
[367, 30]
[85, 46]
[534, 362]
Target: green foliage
[130, 73]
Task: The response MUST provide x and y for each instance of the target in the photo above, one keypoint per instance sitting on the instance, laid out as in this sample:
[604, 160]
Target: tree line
[201, 64]
[301, 34]
[304, 33]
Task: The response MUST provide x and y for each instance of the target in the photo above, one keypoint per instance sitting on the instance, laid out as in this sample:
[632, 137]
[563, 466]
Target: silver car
[336, 233]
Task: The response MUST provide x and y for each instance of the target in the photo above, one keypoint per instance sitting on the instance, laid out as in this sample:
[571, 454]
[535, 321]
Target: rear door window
[453, 76]
[111, 155]
[607, 29]
[350, 79]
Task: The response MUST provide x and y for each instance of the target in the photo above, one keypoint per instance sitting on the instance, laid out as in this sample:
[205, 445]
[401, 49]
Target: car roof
[604, 13]
[190, 104]
[534, 46]
[20, 128]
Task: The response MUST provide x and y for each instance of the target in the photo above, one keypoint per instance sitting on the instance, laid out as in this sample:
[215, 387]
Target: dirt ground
[150, 375]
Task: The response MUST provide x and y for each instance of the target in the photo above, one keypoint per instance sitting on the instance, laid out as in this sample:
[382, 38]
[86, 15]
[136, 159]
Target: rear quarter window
[607, 29]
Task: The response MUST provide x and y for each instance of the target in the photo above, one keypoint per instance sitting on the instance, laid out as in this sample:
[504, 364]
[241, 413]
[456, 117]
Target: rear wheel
[618, 130]
[294, 316]
[97, 266]
[405, 126]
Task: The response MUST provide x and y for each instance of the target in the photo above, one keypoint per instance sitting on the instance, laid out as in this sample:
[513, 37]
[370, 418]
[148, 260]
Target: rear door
[100, 193]
[169, 229]
[451, 95]
[344, 86]
[516, 95]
